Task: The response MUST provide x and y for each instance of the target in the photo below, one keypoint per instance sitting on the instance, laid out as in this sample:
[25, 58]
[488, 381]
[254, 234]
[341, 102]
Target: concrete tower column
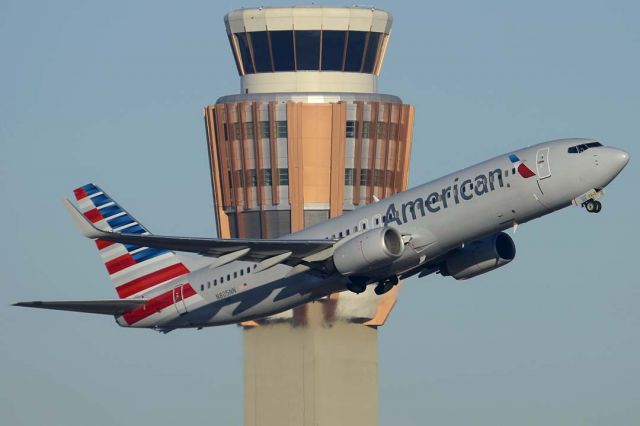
[307, 138]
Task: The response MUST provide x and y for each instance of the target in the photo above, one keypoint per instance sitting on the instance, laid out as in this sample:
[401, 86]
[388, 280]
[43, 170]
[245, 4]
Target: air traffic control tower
[307, 138]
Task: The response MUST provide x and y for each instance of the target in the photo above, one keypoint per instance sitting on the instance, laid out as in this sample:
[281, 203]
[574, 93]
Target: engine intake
[368, 251]
[479, 257]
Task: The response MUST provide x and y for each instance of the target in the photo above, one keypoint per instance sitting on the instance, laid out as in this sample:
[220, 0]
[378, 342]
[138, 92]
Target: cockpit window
[583, 147]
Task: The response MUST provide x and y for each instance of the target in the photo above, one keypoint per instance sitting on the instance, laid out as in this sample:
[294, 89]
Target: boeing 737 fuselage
[452, 225]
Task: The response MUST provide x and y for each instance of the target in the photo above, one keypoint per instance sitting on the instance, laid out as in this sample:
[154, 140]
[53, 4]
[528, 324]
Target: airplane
[452, 226]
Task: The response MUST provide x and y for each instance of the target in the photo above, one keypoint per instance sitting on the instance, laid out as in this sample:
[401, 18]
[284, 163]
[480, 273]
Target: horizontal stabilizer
[104, 307]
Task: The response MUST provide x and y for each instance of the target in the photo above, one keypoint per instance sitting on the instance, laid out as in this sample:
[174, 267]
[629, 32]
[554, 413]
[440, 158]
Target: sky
[112, 93]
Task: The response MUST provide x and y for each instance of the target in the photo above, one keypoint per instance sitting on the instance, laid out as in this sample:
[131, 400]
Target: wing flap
[104, 307]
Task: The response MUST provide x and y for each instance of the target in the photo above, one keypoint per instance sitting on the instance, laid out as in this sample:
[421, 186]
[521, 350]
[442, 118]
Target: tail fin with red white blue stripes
[134, 270]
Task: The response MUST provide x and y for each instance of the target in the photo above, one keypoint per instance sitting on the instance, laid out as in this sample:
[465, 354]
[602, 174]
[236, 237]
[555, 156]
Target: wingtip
[86, 228]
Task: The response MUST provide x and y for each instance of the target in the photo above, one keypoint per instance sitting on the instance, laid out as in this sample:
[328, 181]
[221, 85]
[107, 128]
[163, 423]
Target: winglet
[82, 223]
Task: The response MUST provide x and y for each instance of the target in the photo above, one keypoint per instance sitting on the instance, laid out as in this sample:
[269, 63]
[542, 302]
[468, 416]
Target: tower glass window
[235, 57]
[282, 46]
[332, 50]
[245, 53]
[351, 129]
[355, 49]
[261, 51]
[284, 176]
[281, 129]
[267, 177]
[370, 55]
[348, 176]
[307, 50]
[265, 131]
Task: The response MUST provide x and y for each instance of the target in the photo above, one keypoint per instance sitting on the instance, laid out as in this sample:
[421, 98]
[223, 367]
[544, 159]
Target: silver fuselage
[438, 216]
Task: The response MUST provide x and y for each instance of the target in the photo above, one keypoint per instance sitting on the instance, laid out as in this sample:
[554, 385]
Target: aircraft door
[542, 163]
[178, 300]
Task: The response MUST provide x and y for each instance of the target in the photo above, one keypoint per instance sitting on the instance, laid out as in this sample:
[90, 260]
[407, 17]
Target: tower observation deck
[306, 138]
[339, 49]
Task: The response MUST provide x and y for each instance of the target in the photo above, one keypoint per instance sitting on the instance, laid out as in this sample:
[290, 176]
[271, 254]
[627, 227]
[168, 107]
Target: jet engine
[368, 251]
[479, 257]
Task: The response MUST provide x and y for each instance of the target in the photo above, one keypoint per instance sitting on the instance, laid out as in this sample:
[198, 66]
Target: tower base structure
[312, 374]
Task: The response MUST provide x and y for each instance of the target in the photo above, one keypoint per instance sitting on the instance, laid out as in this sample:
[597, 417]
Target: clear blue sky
[112, 92]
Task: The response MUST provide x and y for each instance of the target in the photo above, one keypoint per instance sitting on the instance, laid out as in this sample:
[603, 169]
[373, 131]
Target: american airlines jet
[452, 226]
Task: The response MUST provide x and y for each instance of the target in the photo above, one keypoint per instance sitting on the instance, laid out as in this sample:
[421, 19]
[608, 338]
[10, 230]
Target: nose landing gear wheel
[593, 206]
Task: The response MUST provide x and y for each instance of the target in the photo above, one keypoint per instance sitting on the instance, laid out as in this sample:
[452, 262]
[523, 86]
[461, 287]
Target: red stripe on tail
[93, 215]
[154, 278]
[103, 244]
[119, 263]
[79, 193]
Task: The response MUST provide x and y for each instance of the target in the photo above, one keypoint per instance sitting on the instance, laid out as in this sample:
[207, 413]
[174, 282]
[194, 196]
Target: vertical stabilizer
[134, 270]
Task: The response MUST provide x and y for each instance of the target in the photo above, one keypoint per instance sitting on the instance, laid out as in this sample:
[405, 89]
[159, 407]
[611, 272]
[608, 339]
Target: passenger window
[248, 270]
[348, 231]
[208, 284]
[215, 282]
[364, 225]
[235, 275]
[513, 171]
[241, 272]
[202, 287]
[506, 173]
[228, 277]
[340, 234]
[221, 280]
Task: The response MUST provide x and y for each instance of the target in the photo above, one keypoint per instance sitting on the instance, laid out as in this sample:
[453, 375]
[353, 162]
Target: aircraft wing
[250, 248]
[105, 307]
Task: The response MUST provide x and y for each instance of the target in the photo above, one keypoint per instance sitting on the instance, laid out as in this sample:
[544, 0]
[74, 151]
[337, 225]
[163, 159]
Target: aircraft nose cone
[620, 157]
[614, 160]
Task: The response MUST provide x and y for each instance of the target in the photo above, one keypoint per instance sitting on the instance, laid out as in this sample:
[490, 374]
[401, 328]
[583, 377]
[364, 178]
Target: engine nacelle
[479, 257]
[368, 251]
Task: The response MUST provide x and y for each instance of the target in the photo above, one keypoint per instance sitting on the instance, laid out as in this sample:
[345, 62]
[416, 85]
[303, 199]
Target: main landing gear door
[178, 300]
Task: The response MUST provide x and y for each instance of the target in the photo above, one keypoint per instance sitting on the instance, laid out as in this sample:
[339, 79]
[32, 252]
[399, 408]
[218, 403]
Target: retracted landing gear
[357, 285]
[593, 206]
[386, 285]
